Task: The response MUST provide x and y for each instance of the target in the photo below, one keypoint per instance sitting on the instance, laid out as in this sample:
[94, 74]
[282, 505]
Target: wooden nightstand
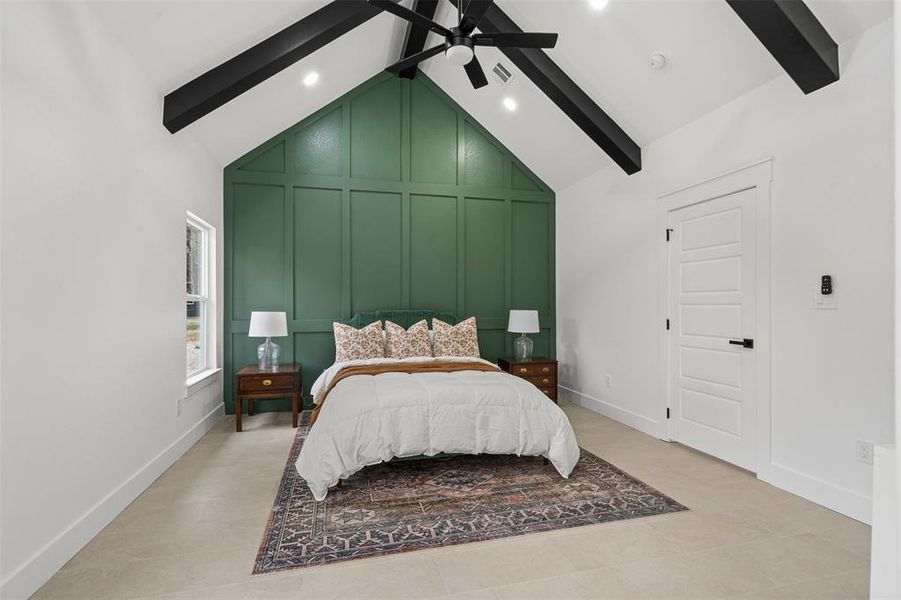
[252, 383]
[540, 371]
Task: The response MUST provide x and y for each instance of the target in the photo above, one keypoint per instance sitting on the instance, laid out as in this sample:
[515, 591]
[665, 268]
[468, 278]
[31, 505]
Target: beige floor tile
[94, 583]
[234, 591]
[615, 543]
[183, 572]
[599, 584]
[850, 535]
[791, 518]
[491, 564]
[411, 575]
[695, 576]
[796, 558]
[700, 531]
[195, 532]
[852, 585]
[121, 546]
[484, 594]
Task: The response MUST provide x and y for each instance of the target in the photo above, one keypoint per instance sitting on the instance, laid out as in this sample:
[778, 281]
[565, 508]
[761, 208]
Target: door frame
[756, 176]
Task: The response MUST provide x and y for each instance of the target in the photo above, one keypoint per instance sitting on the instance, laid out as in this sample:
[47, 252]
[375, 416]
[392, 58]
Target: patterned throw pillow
[358, 344]
[456, 340]
[407, 343]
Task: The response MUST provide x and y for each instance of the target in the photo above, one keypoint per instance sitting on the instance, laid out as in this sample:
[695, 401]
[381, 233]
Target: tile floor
[194, 534]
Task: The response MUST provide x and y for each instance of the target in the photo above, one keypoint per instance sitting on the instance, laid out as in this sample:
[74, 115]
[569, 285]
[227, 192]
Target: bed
[375, 410]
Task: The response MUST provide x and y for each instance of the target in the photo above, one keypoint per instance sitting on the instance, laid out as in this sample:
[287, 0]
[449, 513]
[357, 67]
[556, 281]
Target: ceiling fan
[459, 42]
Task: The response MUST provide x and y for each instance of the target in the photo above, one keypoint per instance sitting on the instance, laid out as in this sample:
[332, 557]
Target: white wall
[94, 195]
[832, 213]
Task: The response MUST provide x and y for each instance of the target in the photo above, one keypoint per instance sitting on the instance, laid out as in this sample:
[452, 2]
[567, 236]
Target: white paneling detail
[720, 367]
[710, 231]
[717, 412]
[711, 320]
[714, 275]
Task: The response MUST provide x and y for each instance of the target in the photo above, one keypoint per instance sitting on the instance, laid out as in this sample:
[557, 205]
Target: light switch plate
[821, 302]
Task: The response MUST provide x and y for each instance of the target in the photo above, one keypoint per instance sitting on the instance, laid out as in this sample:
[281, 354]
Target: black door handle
[745, 343]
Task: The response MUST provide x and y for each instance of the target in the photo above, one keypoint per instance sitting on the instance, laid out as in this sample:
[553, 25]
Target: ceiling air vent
[502, 74]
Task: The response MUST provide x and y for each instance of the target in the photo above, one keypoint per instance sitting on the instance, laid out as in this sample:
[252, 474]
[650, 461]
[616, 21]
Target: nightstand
[253, 383]
[540, 371]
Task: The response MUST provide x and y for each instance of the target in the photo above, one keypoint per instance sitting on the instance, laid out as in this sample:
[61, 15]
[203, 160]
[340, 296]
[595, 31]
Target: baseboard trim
[634, 420]
[834, 497]
[48, 560]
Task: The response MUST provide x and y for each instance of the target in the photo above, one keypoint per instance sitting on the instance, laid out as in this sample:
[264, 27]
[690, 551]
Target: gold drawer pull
[523, 370]
[545, 380]
[546, 370]
[267, 382]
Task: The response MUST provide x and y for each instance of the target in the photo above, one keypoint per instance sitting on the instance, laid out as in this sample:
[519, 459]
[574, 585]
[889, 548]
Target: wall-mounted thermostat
[823, 295]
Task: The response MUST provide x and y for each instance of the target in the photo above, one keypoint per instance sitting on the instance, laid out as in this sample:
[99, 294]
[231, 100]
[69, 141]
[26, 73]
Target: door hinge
[667, 324]
[668, 232]
[667, 412]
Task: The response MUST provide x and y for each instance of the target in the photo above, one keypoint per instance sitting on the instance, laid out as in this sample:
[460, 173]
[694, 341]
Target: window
[199, 306]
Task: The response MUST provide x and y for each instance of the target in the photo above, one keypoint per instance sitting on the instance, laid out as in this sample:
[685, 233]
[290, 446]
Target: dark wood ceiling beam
[414, 42]
[563, 91]
[795, 38]
[232, 78]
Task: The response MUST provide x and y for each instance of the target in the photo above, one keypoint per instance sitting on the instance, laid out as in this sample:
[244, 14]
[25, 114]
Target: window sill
[197, 382]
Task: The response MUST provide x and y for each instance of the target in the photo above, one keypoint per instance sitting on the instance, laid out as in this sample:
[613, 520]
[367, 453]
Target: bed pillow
[358, 344]
[407, 343]
[455, 340]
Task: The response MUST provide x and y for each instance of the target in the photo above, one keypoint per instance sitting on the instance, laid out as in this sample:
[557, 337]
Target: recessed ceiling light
[598, 4]
[509, 103]
[311, 79]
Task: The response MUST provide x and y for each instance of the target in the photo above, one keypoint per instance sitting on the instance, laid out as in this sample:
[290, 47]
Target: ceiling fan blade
[475, 10]
[415, 59]
[515, 40]
[413, 17]
[475, 73]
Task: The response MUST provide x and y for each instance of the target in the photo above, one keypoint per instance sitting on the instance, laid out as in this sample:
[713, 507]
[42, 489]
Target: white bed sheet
[369, 419]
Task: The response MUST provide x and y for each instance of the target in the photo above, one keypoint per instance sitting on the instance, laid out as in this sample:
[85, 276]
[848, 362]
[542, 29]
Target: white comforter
[369, 419]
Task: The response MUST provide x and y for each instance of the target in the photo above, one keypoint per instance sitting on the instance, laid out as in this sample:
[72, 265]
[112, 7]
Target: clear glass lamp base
[522, 348]
[267, 355]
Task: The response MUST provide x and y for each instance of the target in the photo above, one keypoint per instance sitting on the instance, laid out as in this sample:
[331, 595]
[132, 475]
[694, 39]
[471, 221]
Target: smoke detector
[657, 60]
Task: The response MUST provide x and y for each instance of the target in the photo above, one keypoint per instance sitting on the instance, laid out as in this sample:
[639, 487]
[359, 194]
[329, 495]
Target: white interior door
[713, 322]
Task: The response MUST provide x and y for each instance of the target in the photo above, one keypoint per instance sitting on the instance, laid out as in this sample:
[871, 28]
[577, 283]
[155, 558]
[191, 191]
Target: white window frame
[206, 297]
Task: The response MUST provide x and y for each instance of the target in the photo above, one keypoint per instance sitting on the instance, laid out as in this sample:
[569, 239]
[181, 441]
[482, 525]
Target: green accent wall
[390, 197]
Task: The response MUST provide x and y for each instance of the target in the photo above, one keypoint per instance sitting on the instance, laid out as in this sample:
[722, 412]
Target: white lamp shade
[523, 321]
[268, 324]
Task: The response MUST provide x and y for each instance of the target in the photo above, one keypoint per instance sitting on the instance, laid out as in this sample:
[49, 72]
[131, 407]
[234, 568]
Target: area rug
[416, 504]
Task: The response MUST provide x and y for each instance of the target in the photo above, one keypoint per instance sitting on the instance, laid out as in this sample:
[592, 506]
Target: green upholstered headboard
[402, 316]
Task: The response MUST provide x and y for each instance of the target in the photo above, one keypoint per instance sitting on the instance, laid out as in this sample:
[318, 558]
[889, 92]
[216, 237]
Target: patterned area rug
[414, 504]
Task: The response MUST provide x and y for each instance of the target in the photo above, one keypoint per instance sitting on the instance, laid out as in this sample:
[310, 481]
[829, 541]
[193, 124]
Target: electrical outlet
[609, 381]
[865, 452]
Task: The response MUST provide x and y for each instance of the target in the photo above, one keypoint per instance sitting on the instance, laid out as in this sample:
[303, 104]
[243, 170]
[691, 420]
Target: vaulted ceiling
[712, 58]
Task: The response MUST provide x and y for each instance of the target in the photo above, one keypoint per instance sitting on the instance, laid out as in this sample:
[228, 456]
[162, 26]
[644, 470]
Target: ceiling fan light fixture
[459, 55]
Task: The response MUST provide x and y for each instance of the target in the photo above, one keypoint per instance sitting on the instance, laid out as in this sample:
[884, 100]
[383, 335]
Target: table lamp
[268, 324]
[523, 321]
